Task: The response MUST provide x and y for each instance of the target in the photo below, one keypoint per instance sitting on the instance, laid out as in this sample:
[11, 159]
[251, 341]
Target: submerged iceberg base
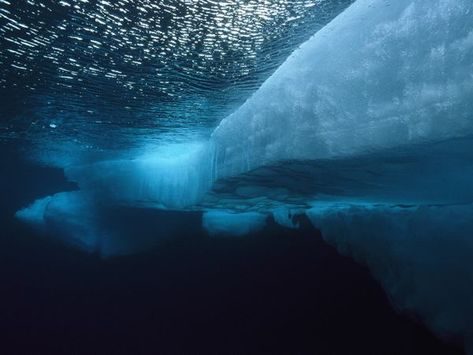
[78, 219]
[421, 255]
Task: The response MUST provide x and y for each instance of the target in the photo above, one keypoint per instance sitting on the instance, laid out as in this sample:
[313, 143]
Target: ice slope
[382, 74]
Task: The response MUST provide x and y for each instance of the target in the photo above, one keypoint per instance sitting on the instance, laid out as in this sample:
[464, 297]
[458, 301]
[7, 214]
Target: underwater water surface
[238, 176]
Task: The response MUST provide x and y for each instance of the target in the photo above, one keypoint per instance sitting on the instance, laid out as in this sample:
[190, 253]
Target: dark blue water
[277, 291]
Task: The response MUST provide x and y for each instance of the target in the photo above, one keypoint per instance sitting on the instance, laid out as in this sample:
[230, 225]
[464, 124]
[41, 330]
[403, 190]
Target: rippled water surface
[140, 69]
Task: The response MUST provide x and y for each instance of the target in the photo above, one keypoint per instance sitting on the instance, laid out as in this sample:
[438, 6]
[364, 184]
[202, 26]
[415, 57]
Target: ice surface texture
[173, 177]
[382, 74]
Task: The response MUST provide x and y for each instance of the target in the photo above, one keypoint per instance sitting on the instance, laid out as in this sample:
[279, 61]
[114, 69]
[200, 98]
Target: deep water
[279, 290]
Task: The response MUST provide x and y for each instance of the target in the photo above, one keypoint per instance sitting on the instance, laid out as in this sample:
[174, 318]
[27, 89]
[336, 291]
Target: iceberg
[367, 128]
